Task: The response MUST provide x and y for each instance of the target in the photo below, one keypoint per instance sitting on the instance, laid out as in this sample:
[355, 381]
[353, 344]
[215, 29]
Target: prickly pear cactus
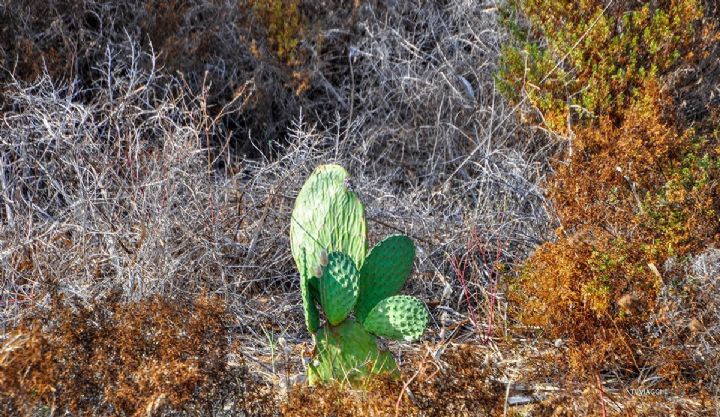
[347, 353]
[338, 287]
[384, 272]
[328, 241]
[400, 317]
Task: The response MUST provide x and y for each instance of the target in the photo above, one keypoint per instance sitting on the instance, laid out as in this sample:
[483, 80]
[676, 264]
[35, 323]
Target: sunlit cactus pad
[384, 272]
[327, 216]
[400, 317]
[348, 353]
[338, 287]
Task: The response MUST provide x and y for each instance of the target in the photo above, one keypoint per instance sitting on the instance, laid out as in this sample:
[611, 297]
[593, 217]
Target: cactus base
[349, 354]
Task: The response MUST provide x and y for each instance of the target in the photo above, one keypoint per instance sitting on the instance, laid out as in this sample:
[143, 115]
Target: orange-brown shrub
[634, 188]
[642, 180]
[572, 287]
[630, 197]
[459, 385]
[115, 358]
[610, 167]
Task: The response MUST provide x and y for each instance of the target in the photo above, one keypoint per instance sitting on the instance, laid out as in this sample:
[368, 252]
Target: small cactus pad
[400, 317]
[384, 272]
[348, 353]
[338, 287]
[327, 216]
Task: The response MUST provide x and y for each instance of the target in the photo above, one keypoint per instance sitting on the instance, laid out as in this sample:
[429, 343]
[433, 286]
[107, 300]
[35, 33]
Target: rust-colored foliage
[643, 181]
[459, 386]
[635, 187]
[114, 358]
[572, 287]
[628, 198]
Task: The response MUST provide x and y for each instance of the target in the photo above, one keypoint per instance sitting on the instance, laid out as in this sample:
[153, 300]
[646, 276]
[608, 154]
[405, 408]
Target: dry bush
[132, 359]
[427, 119]
[634, 187]
[456, 381]
[131, 181]
[274, 49]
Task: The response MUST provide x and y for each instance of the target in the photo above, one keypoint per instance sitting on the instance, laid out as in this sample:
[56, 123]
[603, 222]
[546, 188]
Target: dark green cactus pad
[313, 285]
[327, 216]
[338, 287]
[312, 316]
[384, 272]
[308, 286]
[400, 317]
[348, 353]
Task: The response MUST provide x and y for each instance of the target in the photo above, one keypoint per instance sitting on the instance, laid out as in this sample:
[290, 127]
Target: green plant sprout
[328, 239]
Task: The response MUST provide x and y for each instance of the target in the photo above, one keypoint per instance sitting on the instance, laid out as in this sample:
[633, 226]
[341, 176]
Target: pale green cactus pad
[338, 287]
[348, 353]
[384, 272]
[400, 317]
[345, 228]
[327, 216]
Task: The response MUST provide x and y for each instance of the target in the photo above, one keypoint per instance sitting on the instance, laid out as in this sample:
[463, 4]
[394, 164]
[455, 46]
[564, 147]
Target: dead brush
[456, 382]
[123, 184]
[133, 359]
[222, 47]
[479, 268]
